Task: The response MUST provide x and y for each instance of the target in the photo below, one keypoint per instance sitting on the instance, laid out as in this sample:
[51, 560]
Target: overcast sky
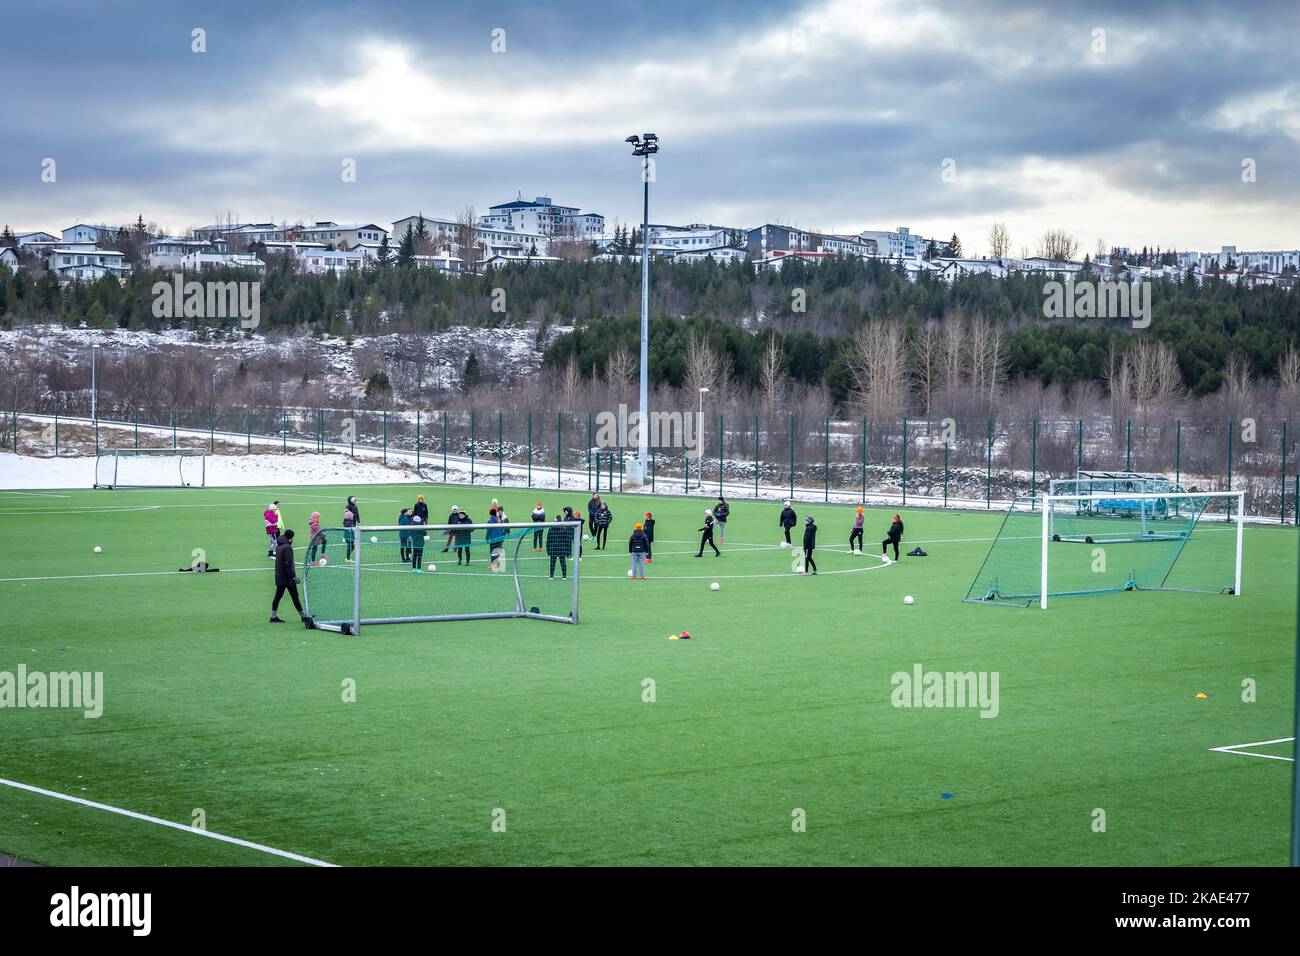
[1121, 121]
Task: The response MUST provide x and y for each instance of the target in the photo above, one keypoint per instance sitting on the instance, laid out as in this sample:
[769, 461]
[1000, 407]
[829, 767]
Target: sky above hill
[1117, 121]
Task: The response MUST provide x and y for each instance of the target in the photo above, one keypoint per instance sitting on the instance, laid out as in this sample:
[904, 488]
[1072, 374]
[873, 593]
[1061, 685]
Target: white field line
[1241, 751]
[236, 841]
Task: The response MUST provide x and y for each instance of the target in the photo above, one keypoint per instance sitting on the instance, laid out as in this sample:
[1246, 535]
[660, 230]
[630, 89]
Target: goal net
[151, 468]
[1061, 545]
[406, 573]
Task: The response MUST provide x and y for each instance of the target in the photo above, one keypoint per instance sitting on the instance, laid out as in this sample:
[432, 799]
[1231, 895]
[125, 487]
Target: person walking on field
[404, 537]
[421, 510]
[317, 538]
[453, 518]
[649, 527]
[722, 511]
[463, 536]
[559, 545]
[593, 509]
[286, 577]
[271, 526]
[349, 532]
[856, 534]
[639, 547]
[706, 535]
[894, 536]
[538, 516]
[415, 543]
[809, 544]
[603, 520]
[788, 520]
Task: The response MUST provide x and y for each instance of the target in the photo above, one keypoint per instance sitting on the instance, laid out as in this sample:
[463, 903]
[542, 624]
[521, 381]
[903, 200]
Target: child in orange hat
[856, 534]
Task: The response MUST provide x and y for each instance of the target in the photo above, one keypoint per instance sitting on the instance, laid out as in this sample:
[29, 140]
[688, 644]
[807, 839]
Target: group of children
[788, 519]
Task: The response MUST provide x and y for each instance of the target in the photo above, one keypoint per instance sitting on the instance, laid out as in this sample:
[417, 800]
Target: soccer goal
[398, 574]
[1062, 545]
[151, 468]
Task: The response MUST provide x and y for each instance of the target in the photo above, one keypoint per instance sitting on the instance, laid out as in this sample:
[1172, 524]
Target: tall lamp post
[699, 474]
[644, 146]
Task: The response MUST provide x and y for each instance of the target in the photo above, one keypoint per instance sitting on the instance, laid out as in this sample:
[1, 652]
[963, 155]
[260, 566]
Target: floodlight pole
[699, 438]
[644, 147]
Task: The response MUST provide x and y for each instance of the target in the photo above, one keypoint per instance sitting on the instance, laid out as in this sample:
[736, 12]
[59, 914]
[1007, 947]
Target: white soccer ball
[785, 544]
[323, 562]
[857, 550]
[586, 537]
[714, 586]
[908, 600]
[629, 572]
[433, 567]
[98, 549]
[374, 539]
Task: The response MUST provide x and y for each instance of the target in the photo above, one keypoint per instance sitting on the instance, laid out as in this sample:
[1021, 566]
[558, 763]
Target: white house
[950, 269]
[688, 238]
[246, 232]
[35, 238]
[495, 262]
[445, 235]
[900, 244]
[319, 261]
[83, 232]
[720, 254]
[340, 236]
[87, 262]
[169, 252]
[200, 261]
[847, 245]
[9, 257]
[545, 218]
[443, 262]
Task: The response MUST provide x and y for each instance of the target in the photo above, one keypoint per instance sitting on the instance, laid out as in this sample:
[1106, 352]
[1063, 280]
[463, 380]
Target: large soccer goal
[398, 574]
[1061, 545]
[151, 468]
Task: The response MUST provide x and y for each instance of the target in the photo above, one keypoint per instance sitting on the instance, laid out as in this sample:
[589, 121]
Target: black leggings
[417, 556]
[280, 589]
[884, 546]
[808, 563]
[462, 551]
[602, 535]
[855, 536]
[564, 565]
[311, 552]
[537, 539]
[350, 538]
[707, 538]
[787, 534]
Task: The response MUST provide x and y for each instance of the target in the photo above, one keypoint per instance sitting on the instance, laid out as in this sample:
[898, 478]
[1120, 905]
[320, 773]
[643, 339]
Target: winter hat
[637, 526]
[288, 535]
[859, 510]
[897, 518]
[419, 497]
[538, 505]
[315, 514]
[808, 520]
[787, 502]
[708, 513]
[647, 514]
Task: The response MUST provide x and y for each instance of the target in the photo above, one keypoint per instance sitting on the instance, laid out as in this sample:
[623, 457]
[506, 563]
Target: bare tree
[1288, 382]
[926, 362]
[620, 369]
[1058, 245]
[701, 365]
[1237, 383]
[877, 365]
[999, 241]
[771, 375]
[953, 357]
[571, 381]
[467, 242]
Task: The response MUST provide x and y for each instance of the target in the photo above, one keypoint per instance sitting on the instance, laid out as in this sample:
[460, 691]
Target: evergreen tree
[406, 251]
[470, 378]
[931, 250]
[954, 247]
[385, 255]
[7, 238]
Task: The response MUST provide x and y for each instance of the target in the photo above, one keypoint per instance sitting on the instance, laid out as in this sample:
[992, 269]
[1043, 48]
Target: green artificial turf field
[778, 710]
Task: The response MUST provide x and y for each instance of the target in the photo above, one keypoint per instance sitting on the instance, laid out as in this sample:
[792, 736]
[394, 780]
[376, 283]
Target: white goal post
[395, 574]
[151, 468]
[1184, 509]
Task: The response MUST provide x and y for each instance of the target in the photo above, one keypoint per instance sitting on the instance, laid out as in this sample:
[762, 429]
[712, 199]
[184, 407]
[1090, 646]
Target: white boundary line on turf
[236, 841]
[129, 574]
[1237, 749]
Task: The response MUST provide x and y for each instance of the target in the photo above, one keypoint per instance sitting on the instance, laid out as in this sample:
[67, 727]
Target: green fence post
[1033, 459]
[988, 469]
[792, 455]
[1178, 452]
[417, 441]
[530, 449]
[721, 450]
[756, 457]
[826, 460]
[1128, 446]
[385, 436]
[444, 445]
[945, 474]
[1295, 497]
[1282, 517]
[501, 450]
[597, 471]
[56, 426]
[173, 429]
[864, 459]
[1230, 427]
[248, 432]
[472, 440]
[589, 446]
[620, 470]
[559, 451]
[1079, 466]
[652, 470]
[14, 424]
[904, 462]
